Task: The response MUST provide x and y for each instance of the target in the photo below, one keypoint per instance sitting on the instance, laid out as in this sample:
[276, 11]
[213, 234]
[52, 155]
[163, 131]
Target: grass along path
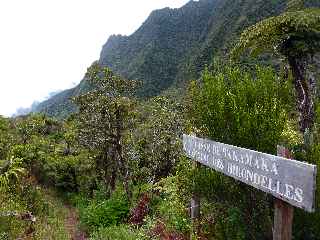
[61, 222]
[72, 223]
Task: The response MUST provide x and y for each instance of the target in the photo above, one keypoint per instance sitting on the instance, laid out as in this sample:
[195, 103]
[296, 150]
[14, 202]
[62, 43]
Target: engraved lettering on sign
[289, 180]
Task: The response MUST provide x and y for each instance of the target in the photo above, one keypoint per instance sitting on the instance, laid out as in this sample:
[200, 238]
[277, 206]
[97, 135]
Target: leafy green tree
[47, 148]
[36, 125]
[245, 109]
[241, 108]
[105, 116]
[294, 36]
[156, 140]
[70, 135]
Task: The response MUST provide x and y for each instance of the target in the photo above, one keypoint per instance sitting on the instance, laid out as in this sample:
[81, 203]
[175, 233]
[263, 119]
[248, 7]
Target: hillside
[173, 45]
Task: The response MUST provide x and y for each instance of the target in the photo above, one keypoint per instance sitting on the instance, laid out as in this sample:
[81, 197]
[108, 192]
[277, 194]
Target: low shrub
[139, 212]
[105, 213]
[121, 232]
[170, 207]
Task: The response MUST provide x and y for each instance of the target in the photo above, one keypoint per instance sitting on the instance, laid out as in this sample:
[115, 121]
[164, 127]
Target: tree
[294, 35]
[105, 115]
[245, 109]
[156, 140]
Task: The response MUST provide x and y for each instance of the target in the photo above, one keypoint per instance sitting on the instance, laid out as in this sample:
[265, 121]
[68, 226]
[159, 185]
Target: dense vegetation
[134, 182]
[118, 162]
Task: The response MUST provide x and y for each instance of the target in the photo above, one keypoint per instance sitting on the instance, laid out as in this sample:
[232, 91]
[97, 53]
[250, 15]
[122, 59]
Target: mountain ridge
[173, 45]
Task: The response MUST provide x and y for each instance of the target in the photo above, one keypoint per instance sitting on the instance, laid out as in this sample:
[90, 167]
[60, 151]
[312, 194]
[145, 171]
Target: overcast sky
[47, 45]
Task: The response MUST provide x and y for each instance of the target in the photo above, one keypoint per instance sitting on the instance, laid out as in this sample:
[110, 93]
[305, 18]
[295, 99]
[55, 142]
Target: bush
[122, 232]
[105, 213]
[307, 225]
[171, 208]
[245, 109]
[241, 108]
[11, 227]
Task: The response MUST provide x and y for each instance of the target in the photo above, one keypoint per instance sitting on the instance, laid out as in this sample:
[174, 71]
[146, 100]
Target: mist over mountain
[26, 110]
[173, 46]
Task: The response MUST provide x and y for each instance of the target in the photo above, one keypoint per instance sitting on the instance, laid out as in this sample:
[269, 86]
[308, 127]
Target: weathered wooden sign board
[289, 180]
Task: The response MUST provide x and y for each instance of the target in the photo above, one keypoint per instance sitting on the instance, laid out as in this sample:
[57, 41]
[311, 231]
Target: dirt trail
[71, 224]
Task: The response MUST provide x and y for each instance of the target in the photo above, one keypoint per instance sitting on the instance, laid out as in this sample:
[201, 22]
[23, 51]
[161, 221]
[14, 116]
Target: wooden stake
[195, 208]
[283, 212]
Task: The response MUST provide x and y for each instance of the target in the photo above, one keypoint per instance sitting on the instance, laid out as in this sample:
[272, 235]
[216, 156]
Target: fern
[10, 172]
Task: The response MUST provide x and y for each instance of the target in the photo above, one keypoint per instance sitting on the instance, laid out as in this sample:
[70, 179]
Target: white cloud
[47, 45]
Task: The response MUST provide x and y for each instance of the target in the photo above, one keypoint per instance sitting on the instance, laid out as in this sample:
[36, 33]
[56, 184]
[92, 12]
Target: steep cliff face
[155, 51]
[173, 45]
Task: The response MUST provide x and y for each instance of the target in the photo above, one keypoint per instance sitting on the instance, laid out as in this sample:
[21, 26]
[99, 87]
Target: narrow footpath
[72, 225]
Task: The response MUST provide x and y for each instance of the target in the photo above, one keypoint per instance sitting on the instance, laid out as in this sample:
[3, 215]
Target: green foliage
[47, 208]
[50, 222]
[241, 108]
[171, 208]
[173, 46]
[37, 124]
[106, 114]
[50, 152]
[10, 173]
[295, 5]
[121, 232]
[307, 225]
[246, 109]
[116, 139]
[295, 36]
[105, 213]
[293, 33]
[231, 227]
[155, 146]
[153, 54]
[291, 137]
[10, 227]
[5, 138]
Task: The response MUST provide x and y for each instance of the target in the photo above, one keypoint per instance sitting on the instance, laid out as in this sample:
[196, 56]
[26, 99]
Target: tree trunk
[113, 178]
[109, 164]
[305, 89]
[121, 162]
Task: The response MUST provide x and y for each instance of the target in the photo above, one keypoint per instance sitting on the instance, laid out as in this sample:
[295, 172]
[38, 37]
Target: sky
[47, 45]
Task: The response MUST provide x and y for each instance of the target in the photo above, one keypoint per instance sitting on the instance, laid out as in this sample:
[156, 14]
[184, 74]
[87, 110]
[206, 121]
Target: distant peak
[115, 36]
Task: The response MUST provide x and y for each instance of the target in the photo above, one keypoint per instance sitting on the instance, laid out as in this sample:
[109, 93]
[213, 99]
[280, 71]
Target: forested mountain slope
[173, 45]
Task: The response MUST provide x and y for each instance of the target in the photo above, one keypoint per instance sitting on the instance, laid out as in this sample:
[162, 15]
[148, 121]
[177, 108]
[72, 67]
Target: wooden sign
[289, 180]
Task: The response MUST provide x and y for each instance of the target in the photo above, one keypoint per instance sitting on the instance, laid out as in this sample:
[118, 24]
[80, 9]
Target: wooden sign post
[290, 181]
[283, 212]
[195, 208]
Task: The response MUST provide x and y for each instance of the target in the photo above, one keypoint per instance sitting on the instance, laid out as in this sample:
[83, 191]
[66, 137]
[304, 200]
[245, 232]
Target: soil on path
[72, 225]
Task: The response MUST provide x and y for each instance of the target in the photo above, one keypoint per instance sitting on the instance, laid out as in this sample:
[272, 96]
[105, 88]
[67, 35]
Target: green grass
[121, 232]
[50, 221]
[52, 225]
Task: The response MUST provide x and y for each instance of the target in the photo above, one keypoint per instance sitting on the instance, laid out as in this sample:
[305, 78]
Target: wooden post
[283, 212]
[195, 207]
